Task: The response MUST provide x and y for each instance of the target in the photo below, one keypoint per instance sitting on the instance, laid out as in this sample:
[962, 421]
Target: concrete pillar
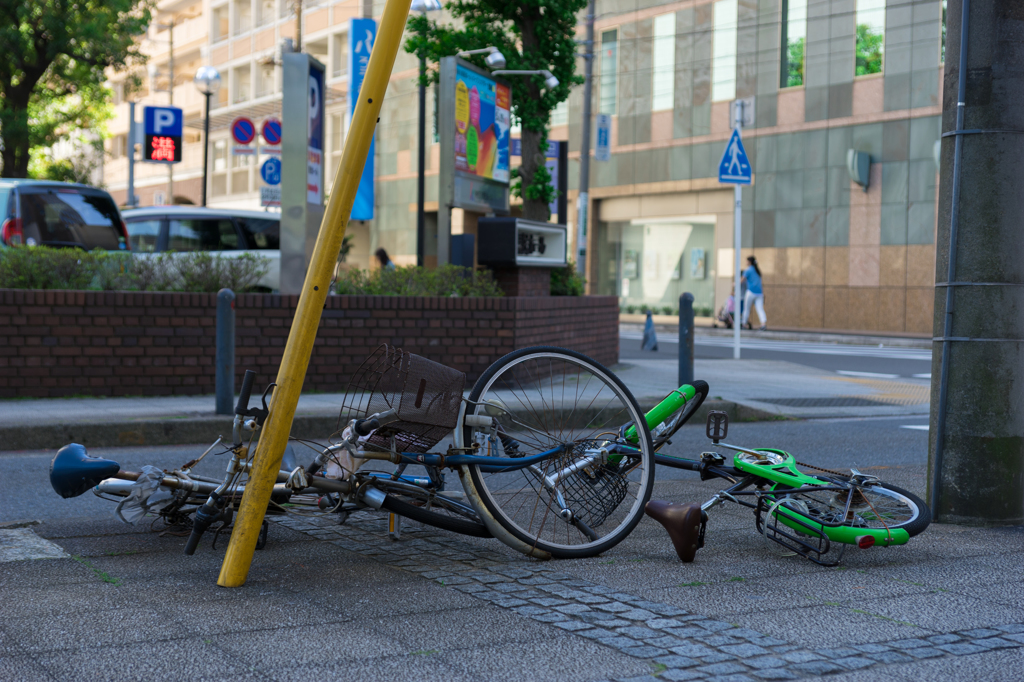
[976, 458]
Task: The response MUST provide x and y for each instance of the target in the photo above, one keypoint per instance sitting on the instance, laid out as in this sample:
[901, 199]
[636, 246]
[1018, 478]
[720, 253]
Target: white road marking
[927, 375]
[892, 352]
[20, 544]
[869, 375]
[915, 427]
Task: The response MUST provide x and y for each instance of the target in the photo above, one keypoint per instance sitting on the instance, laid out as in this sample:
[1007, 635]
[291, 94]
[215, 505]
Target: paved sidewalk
[325, 601]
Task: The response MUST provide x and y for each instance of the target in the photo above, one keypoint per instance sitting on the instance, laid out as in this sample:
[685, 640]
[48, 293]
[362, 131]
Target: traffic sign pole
[735, 169]
[737, 240]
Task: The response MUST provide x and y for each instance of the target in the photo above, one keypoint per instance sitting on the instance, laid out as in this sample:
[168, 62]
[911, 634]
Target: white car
[227, 232]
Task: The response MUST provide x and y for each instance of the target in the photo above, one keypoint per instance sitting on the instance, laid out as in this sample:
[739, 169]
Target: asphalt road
[885, 362]
[832, 443]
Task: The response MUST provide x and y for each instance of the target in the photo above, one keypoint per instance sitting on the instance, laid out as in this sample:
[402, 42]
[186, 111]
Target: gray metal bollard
[225, 351]
[685, 339]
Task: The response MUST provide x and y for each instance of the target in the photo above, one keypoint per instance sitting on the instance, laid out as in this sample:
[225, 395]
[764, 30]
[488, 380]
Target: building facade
[826, 77]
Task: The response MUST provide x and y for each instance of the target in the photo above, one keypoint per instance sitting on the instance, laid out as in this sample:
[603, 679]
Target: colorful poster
[482, 123]
[362, 34]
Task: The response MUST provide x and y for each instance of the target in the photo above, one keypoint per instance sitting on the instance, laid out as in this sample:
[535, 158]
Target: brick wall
[60, 343]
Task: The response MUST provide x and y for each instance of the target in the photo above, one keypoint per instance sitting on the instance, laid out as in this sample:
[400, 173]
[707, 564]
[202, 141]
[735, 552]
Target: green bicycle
[816, 516]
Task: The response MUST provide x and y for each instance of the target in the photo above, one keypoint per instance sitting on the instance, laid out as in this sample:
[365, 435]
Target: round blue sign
[270, 171]
[243, 130]
[272, 132]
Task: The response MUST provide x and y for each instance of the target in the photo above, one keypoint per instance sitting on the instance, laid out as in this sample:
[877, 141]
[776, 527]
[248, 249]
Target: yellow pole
[292, 372]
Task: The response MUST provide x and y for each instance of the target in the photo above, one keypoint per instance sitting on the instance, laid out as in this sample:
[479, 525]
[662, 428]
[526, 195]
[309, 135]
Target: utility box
[521, 253]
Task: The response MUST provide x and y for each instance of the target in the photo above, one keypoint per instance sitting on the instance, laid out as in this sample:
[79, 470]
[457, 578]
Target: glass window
[340, 59]
[663, 87]
[220, 156]
[723, 52]
[609, 71]
[560, 114]
[794, 38]
[942, 53]
[870, 36]
[194, 234]
[264, 12]
[261, 233]
[143, 235]
[5, 192]
[243, 16]
[67, 217]
[219, 29]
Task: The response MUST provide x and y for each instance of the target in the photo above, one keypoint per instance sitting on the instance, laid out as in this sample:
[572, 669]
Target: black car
[59, 214]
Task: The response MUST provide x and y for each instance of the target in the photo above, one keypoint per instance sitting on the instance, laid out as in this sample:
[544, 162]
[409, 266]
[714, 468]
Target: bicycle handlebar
[204, 517]
[243, 397]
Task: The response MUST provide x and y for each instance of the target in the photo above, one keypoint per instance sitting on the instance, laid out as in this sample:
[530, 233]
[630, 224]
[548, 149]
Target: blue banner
[361, 35]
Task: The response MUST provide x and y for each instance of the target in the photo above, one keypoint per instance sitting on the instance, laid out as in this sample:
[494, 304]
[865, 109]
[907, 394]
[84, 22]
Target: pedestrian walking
[754, 295]
[384, 259]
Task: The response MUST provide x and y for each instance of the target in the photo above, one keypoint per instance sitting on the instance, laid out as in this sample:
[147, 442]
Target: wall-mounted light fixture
[858, 164]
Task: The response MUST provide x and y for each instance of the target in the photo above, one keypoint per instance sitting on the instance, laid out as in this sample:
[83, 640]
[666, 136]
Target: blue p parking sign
[270, 171]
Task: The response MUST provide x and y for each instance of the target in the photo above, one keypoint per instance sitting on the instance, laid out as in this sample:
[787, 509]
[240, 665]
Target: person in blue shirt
[755, 294]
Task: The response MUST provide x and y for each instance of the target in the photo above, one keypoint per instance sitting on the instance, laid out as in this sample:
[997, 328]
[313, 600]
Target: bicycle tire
[394, 503]
[593, 494]
[683, 414]
[919, 518]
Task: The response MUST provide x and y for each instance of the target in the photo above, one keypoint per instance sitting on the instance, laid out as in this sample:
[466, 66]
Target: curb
[189, 431]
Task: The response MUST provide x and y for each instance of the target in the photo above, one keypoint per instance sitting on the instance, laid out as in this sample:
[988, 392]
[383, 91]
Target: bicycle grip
[243, 397]
[204, 517]
[366, 426]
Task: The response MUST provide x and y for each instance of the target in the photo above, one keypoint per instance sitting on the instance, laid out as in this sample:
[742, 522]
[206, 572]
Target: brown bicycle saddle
[682, 521]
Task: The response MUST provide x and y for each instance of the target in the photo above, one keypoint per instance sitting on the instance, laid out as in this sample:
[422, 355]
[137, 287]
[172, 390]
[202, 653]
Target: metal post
[225, 351]
[737, 240]
[206, 146]
[583, 200]
[130, 201]
[294, 363]
[170, 101]
[685, 339]
[421, 220]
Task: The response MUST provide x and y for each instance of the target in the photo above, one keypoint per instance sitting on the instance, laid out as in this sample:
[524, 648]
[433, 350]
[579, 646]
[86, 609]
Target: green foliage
[447, 280]
[41, 267]
[795, 63]
[870, 44]
[53, 60]
[531, 34]
[567, 281]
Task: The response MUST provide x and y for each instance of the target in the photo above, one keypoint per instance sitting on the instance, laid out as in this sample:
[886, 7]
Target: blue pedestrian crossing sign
[271, 171]
[735, 167]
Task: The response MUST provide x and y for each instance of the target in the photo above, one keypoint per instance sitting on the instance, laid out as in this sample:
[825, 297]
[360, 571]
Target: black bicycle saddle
[73, 471]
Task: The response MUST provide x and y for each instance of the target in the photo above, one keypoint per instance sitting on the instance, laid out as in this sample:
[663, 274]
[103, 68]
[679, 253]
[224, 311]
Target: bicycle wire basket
[593, 493]
[425, 395]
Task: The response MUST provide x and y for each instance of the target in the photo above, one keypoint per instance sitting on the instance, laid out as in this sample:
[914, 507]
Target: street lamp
[494, 59]
[550, 82]
[207, 82]
[422, 6]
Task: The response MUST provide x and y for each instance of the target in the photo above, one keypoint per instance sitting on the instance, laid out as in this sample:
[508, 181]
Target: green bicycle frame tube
[674, 401]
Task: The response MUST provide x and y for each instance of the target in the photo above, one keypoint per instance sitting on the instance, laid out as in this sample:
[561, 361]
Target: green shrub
[669, 310]
[567, 281]
[630, 309]
[447, 280]
[42, 267]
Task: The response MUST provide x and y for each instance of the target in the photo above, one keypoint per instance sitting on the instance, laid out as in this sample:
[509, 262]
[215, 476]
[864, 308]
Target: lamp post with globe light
[422, 6]
[207, 82]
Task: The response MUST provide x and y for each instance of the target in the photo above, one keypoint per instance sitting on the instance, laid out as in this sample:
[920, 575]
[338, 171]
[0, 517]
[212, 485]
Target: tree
[532, 34]
[53, 57]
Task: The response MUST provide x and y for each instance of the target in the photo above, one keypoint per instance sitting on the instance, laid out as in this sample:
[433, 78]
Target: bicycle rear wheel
[879, 506]
[582, 501]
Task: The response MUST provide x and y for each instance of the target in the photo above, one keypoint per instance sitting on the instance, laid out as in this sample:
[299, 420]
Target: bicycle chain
[829, 471]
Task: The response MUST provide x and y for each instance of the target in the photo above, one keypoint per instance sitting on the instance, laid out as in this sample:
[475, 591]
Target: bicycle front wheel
[588, 497]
